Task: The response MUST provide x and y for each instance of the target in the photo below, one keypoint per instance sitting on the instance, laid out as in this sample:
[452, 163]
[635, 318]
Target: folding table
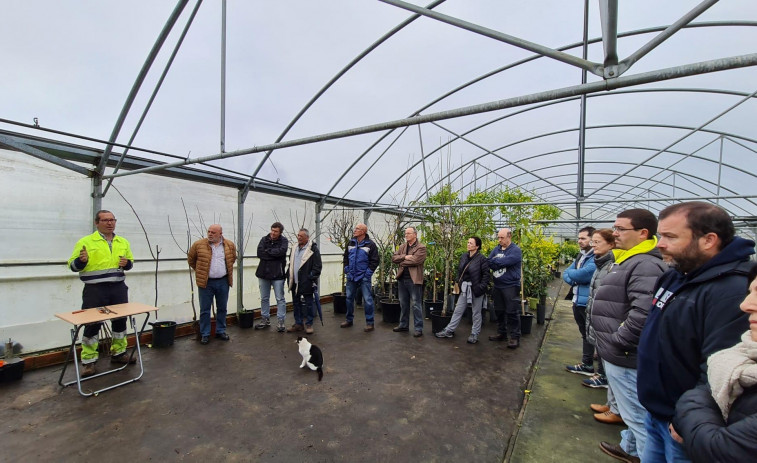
[80, 318]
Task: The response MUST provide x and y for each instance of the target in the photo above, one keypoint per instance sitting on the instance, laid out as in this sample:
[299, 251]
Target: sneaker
[399, 328]
[222, 336]
[205, 340]
[472, 339]
[282, 326]
[264, 323]
[616, 452]
[88, 369]
[445, 334]
[581, 369]
[308, 329]
[296, 327]
[596, 381]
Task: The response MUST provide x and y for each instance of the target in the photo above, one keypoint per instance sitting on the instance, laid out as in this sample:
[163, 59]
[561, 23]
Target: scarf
[732, 370]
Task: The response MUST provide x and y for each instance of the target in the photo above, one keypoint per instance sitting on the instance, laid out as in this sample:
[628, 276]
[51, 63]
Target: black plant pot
[439, 321]
[390, 310]
[526, 320]
[431, 306]
[340, 302]
[246, 318]
[163, 333]
[541, 312]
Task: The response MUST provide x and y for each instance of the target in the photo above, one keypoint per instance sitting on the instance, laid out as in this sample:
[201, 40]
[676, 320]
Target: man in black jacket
[272, 252]
[304, 269]
[695, 312]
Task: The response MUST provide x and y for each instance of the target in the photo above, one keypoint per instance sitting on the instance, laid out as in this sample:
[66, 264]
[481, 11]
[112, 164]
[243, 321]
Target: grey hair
[305, 230]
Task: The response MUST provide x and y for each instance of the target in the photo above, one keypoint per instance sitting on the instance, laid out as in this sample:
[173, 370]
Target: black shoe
[397, 329]
[513, 343]
[616, 452]
[222, 336]
[418, 334]
[498, 337]
[205, 340]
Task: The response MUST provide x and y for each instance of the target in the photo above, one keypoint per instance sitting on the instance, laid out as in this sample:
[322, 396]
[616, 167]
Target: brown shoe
[608, 417]
[498, 337]
[513, 343]
[599, 408]
[368, 328]
[616, 452]
[88, 369]
[346, 324]
[294, 328]
[123, 358]
[308, 329]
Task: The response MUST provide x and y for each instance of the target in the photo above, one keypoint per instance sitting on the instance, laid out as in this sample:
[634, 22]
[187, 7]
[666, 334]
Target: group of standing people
[656, 310]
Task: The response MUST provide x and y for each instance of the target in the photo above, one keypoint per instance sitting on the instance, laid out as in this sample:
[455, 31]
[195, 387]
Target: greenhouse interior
[456, 118]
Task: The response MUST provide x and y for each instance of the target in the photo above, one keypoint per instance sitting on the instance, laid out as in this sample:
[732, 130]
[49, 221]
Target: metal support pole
[240, 251]
[582, 117]
[720, 169]
[223, 76]
[317, 238]
[423, 161]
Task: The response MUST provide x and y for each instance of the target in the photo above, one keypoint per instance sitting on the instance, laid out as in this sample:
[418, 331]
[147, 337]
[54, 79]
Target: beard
[688, 259]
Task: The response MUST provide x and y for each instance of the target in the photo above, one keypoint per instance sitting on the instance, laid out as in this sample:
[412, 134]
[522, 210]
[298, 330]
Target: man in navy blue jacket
[360, 260]
[505, 261]
[579, 276]
[695, 312]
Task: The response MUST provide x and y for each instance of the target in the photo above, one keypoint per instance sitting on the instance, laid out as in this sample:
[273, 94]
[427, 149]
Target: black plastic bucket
[163, 333]
[246, 318]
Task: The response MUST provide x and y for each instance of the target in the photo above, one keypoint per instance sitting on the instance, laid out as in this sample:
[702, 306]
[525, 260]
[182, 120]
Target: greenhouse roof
[591, 106]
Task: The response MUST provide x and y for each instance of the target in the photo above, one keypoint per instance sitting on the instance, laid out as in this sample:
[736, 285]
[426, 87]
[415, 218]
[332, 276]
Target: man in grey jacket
[619, 311]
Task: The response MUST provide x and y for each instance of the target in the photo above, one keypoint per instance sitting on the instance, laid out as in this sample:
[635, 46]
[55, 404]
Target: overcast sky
[72, 63]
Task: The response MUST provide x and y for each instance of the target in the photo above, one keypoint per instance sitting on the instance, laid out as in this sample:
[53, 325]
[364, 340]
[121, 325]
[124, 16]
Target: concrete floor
[385, 396]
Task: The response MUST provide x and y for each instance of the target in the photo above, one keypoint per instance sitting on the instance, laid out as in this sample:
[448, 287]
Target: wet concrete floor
[385, 396]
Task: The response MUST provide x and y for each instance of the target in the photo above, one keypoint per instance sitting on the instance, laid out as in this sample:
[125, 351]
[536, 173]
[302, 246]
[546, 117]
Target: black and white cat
[311, 356]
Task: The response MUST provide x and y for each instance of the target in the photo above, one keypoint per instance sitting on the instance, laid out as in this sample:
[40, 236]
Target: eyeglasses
[108, 220]
[621, 229]
[594, 243]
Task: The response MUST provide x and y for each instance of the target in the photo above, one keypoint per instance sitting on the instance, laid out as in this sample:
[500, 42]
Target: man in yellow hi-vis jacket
[101, 259]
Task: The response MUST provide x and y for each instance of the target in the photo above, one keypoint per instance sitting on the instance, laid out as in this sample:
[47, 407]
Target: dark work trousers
[579, 314]
[101, 294]
[507, 310]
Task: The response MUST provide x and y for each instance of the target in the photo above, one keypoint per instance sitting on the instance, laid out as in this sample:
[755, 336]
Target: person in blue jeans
[305, 267]
[361, 259]
[410, 257]
[272, 252]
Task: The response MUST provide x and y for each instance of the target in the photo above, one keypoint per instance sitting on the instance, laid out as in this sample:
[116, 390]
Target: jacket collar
[641, 248]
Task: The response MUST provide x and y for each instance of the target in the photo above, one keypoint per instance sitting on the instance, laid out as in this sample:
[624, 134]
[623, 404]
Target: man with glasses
[101, 259]
[361, 259]
[578, 275]
[619, 311]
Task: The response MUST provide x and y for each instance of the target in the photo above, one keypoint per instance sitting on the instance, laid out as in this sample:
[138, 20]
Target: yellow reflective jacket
[102, 266]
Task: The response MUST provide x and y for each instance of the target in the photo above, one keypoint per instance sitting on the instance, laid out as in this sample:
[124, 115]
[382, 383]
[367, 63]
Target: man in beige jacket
[410, 257]
[212, 259]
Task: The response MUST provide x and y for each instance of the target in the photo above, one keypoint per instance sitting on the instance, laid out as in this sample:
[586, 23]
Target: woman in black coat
[473, 279]
[717, 421]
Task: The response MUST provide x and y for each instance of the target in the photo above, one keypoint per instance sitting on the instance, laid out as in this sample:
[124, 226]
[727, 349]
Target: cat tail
[320, 373]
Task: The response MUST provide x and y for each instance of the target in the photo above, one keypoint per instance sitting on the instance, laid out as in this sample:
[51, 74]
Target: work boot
[296, 327]
[264, 323]
[123, 358]
[88, 369]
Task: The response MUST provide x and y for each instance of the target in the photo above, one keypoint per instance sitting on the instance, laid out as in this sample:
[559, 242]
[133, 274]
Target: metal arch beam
[328, 85]
[521, 111]
[592, 67]
[703, 67]
[524, 61]
[170, 22]
[591, 127]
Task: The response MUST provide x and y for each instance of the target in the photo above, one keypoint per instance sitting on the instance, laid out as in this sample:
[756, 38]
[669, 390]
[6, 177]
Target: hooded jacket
[581, 277]
[622, 302]
[505, 265]
[692, 316]
[308, 271]
[360, 259]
